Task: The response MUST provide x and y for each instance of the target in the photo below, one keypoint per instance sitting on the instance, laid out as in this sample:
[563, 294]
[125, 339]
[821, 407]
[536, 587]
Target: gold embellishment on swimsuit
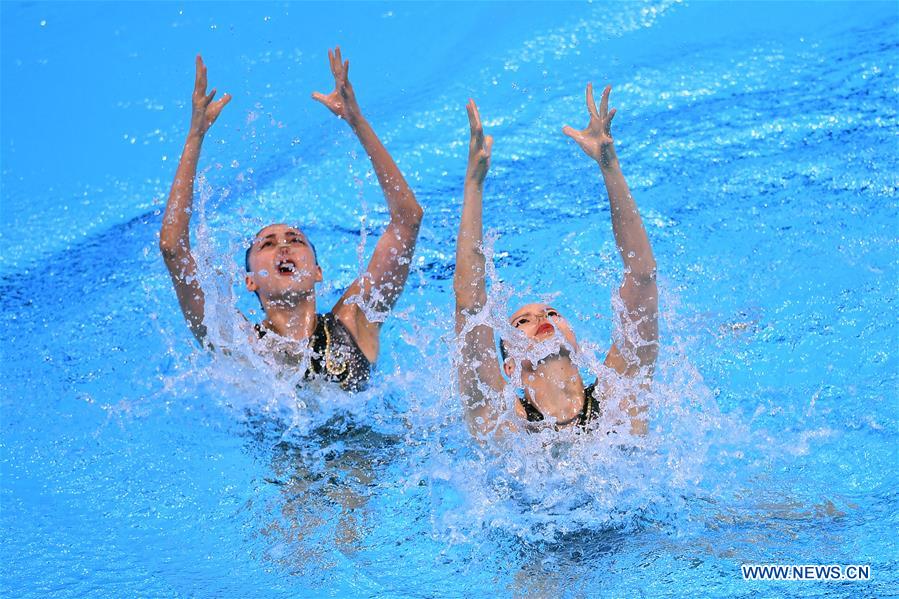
[329, 365]
[588, 399]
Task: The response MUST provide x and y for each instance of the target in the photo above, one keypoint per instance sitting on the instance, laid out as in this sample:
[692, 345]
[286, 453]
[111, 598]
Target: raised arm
[174, 238]
[380, 286]
[640, 330]
[479, 374]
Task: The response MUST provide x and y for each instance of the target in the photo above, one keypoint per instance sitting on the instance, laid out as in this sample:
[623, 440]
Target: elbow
[413, 216]
[406, 212]
[645, 272]
[646, 277]
[416, 212]
[171, 247]
[166, 246]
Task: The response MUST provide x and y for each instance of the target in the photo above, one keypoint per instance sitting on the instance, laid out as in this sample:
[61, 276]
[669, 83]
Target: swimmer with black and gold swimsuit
[335, 355]
[538, 357]
[589, 410]
[282, 268]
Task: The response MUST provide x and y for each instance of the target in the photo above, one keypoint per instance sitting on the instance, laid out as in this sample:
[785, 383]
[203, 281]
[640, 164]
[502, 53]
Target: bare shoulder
[365, 333]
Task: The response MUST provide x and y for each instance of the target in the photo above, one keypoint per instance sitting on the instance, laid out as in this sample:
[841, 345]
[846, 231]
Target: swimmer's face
[282, 260]
[539, 322]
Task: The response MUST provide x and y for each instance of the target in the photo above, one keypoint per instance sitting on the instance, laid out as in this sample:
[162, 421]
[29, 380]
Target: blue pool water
[760, 140]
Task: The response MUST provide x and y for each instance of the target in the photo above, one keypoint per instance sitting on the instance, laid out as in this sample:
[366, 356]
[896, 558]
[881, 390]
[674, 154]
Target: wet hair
[246, 257]
[503, 352]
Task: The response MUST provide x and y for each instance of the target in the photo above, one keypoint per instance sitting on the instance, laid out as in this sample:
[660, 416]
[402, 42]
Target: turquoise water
[760, 141]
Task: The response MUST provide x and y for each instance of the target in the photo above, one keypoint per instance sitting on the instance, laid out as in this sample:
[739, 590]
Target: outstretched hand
[341, 101]
[596, 140]
[205, 111]
[479, 147]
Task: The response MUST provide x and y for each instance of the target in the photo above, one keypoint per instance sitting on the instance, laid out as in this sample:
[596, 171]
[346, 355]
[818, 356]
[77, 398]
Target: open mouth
[286, 268]
[545, 328]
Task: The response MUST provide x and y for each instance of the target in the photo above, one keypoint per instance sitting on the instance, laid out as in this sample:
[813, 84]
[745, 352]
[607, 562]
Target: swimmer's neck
[555, 387]
[296, 320]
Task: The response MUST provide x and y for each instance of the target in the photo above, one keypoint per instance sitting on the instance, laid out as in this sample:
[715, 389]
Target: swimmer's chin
[549, 350]
[300, 275]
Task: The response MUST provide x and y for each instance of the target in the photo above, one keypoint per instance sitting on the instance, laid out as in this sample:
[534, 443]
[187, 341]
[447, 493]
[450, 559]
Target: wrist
[195, 136]
[608, 159]
[355, 119]
[473, 179]
[609, 166]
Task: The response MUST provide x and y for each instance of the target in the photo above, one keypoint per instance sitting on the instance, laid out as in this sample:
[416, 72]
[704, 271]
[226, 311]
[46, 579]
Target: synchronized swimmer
[282, 269]
[281, 263]
[552, 385]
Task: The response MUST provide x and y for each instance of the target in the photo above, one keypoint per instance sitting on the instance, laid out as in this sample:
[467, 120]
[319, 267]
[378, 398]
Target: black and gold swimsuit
[335, 355]
[589, 410]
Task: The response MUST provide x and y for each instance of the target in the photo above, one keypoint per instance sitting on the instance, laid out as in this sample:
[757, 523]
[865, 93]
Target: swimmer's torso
[589, 410]
[335, 355]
